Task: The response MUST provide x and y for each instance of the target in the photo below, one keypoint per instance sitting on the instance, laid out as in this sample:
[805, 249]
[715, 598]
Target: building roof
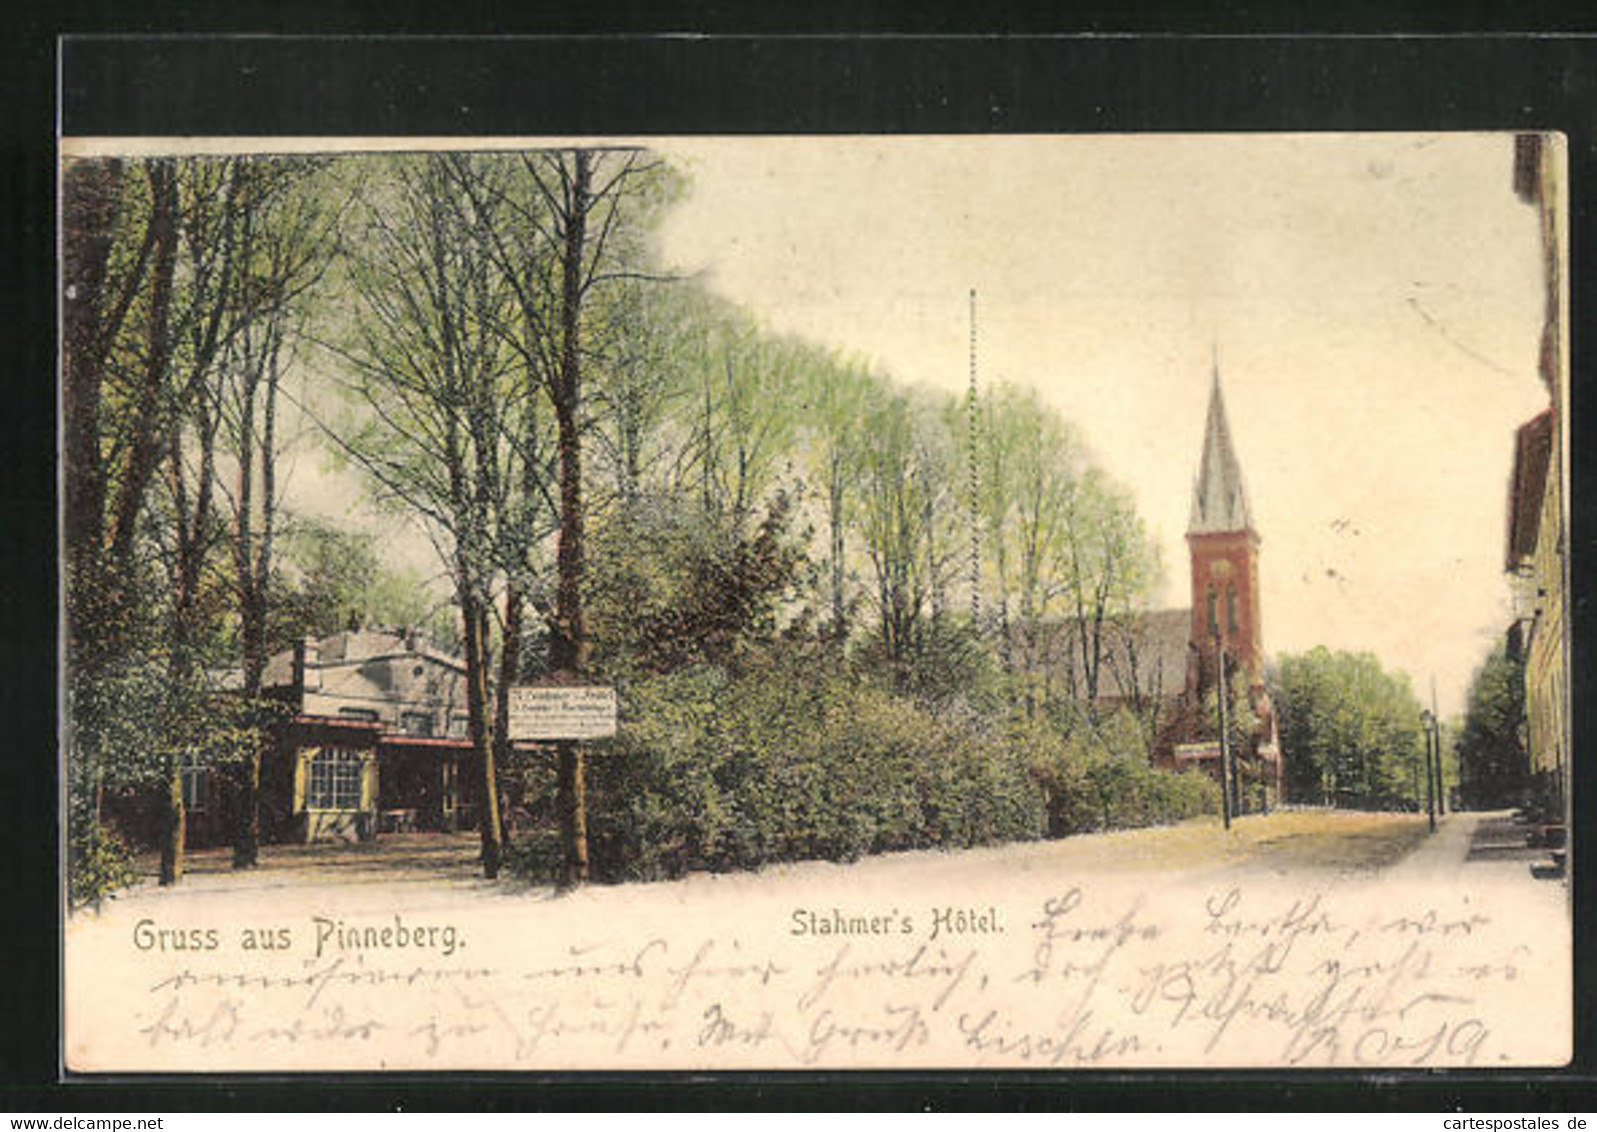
[388, 676]
[1533, 450]
[1143, 655]
[1219, 498]
[358, 648]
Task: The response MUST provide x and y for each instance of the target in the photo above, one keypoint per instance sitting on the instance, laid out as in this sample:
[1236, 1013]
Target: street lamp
[1429, 722]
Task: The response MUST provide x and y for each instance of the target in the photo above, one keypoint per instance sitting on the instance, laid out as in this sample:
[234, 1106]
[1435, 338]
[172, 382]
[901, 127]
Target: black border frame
[139, 84]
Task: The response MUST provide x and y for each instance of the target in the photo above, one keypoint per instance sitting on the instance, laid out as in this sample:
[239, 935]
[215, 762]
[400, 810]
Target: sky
[1374, 302]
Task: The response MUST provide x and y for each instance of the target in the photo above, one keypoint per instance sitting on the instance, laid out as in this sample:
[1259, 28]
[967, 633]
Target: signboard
[562, 713]
[1189, 751]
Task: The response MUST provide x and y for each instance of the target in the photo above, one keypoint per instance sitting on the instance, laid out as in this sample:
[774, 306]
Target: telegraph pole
[1225, 736]
[1436, 722]
[971, 415]
[1429, 720]
[1419, 799]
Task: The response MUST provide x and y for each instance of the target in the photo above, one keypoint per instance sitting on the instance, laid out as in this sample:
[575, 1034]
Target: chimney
[307, 666]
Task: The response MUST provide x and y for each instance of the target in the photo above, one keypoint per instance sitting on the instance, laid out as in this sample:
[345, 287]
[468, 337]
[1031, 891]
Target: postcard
[1055, 602]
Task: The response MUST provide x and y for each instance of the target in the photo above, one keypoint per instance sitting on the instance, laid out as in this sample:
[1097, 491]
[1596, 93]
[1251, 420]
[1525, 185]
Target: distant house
[376, 738]
[373, 738]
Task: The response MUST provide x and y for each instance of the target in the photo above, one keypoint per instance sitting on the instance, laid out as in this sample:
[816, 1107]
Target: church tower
[1224, 550]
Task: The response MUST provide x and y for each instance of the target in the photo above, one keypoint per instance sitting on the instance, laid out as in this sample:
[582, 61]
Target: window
[365, 714]
[196, 777]
[416, 722]
[1231, 609]
[334, 780]
[1214, 622]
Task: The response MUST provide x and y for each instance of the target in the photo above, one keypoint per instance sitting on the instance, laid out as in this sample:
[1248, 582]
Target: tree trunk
[190, 536]
[572, 800]
[835, 517]
[253, 564]
[246, 824]
[145, 444]
[474, 619]
[175, 825]
[90, 190]
[509, 673]
[569, 646]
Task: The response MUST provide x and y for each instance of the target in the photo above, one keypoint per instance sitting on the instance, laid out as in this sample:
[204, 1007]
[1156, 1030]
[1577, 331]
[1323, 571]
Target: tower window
[1231, 608]
[1214, 621]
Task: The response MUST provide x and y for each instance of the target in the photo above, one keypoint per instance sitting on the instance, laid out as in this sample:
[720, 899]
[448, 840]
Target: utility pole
[1429, 720]
[1225, 736]
[975, 479]
[1436, 721]
[1419, 799]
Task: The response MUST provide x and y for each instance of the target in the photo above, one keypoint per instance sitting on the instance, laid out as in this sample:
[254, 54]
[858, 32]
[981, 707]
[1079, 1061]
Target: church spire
[1219, 499]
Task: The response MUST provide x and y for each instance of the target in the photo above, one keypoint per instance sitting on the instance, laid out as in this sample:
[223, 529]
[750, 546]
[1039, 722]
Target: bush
[794, 759]
[99, 864]
[1102, 779]
[802, 758]
[538, 856]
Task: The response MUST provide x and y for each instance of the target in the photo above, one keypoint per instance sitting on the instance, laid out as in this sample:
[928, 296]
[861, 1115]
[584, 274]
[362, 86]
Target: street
[1301, 938]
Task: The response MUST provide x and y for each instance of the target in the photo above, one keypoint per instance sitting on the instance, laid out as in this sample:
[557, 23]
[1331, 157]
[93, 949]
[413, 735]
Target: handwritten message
[1080, 976]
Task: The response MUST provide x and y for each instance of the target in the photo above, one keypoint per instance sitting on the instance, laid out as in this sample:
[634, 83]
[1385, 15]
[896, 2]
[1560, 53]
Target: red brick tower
[1225, 615]
[1225, 560]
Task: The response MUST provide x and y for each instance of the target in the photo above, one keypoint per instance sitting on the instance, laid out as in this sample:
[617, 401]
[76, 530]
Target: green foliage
[671, 585]
[908, 513]
[329, 578]
[800, 758]
[727, 598]
[1100, 778]
[98, 864]
[538, 856]
[1492, 754]
[949, 668]
[1242, 722]
[1351, 732]
[434, 289]
[794, 759]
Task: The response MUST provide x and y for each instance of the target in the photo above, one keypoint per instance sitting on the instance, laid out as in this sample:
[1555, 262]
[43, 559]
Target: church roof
[1143, 654]
[1219, 498]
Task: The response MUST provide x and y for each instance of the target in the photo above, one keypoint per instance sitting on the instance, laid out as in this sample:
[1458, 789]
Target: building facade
[372, 737]
[376, 738]
[1537, 548]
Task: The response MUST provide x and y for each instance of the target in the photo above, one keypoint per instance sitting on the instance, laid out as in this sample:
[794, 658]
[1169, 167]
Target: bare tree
[441, 411]
[905, 523]
[1106, 565]
[285, 237]
[569, 225]
[835, 395]
[202, 321]
[110, 232]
